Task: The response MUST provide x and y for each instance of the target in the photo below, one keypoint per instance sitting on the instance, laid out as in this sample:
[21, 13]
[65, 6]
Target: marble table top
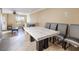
[40, 33]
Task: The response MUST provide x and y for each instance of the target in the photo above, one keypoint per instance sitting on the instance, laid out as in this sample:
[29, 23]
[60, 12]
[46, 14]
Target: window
[19, 18]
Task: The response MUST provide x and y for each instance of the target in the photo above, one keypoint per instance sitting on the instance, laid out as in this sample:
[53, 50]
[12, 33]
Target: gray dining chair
[47, 25]
[73, 37]
[53, 26]
[63, 28]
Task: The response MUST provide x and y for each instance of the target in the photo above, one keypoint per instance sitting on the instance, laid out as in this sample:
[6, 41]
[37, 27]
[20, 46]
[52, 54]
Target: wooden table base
[32, 39]
[45, 43]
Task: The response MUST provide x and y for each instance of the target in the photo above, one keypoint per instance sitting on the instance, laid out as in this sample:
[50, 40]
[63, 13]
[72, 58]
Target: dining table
[41, 35]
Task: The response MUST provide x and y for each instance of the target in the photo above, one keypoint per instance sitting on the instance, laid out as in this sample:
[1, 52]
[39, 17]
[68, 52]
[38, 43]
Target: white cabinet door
[4, 23]
[0, 24]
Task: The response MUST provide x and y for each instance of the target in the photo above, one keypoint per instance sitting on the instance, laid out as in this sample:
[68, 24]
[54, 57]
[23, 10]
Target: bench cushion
[72, 41]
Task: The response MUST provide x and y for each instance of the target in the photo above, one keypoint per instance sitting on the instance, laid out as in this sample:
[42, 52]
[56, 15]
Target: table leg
[45, 43]
[40, 45]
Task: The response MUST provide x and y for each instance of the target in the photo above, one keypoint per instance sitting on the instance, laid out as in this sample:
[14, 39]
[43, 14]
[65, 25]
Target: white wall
[32, 18]
[57, 15]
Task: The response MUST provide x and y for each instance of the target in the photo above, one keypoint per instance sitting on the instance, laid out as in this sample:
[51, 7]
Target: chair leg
[54, 39]
[64, 45]
[50, 39]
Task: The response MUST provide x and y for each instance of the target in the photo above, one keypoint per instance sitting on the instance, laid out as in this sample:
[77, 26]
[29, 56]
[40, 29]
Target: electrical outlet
[66, 14]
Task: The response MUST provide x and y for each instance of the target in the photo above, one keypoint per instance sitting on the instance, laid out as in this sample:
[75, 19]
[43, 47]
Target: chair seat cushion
[72, 41]
[60, 36]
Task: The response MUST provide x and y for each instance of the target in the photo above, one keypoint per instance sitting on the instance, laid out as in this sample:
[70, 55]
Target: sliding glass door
[20, 20]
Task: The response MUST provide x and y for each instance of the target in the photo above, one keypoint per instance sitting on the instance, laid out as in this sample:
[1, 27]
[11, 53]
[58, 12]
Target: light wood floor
[20, 41]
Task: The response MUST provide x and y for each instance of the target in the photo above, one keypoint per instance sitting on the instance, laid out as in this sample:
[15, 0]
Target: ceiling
[25, 10]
